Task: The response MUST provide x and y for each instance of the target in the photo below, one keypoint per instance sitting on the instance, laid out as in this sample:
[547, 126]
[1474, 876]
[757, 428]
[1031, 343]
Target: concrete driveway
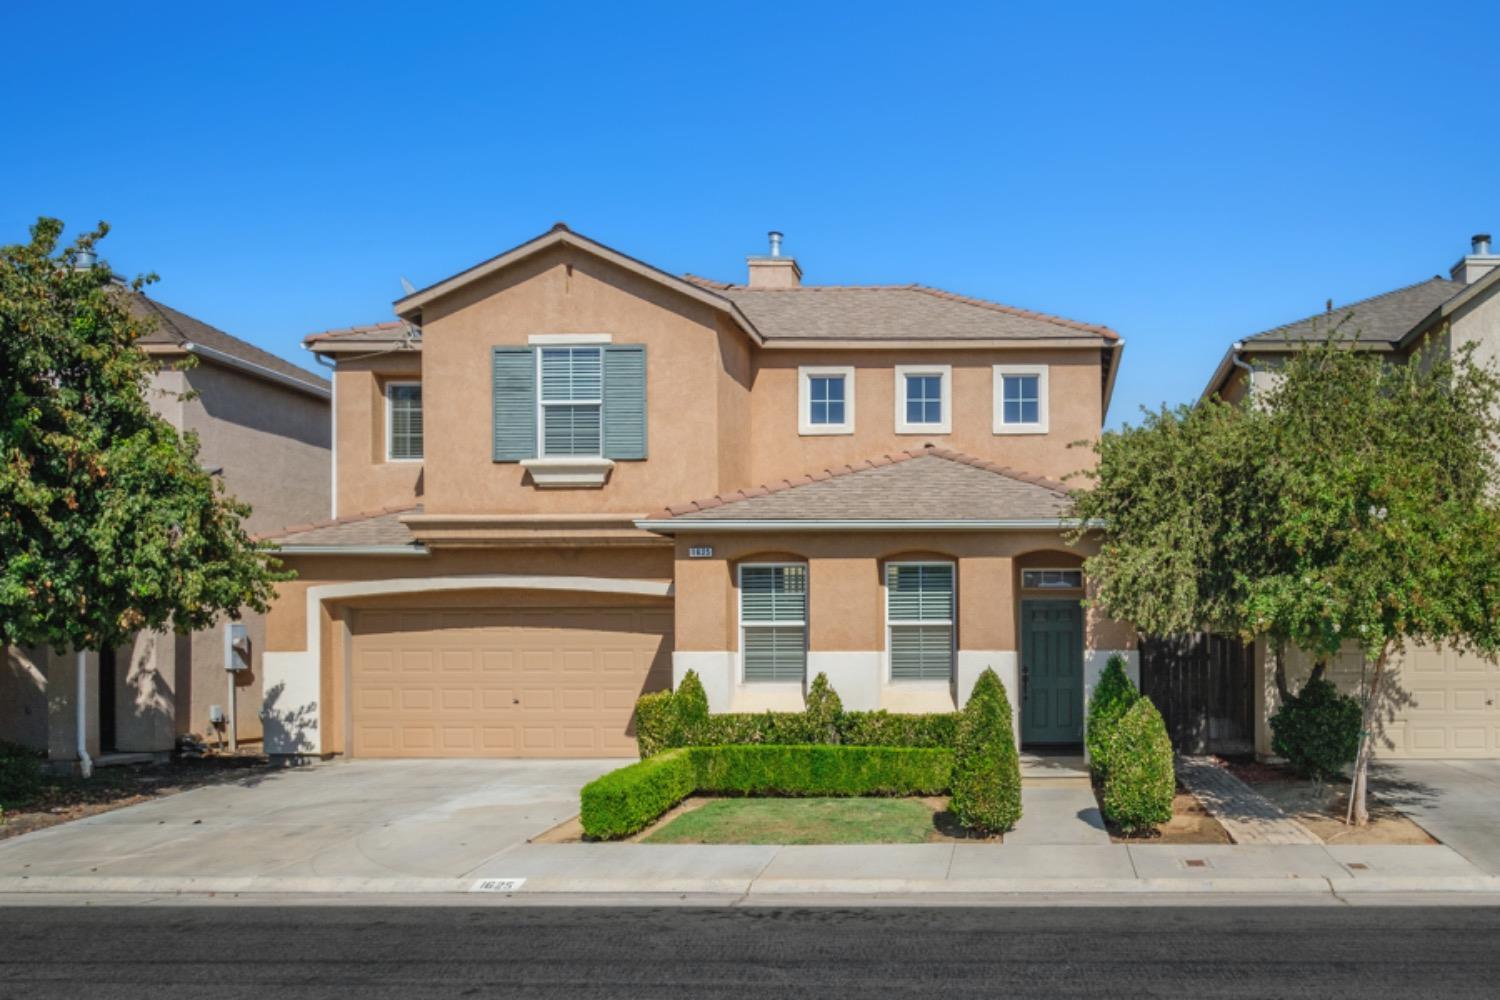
[360, 819]
[1457, 801]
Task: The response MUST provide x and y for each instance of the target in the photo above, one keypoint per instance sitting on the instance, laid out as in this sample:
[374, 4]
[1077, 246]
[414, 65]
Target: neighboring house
[263, 427]
[564, 477]
[1448, 704]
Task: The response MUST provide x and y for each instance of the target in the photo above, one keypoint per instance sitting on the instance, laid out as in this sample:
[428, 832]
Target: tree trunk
[1279, 657]
[1359, 810]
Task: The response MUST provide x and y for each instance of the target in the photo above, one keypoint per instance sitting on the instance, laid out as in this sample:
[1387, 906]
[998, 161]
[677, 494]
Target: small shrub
[986, 766]
[1317, 730]
[823, 709]
[1113, 696]
[631, 798]
[653, 723]
[888, 729]
[1141, 781]
[689, 711]
[20, 772]
[822, 770]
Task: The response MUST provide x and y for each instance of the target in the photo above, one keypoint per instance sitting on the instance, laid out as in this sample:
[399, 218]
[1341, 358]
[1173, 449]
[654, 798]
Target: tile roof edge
[890, 458]
[333, 522]
[354, 331]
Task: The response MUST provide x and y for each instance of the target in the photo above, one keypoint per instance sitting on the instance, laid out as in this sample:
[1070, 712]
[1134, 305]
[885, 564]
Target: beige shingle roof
[925, 484]
[382, 528]
[1384, 318]
[171, 327]
[893, 312]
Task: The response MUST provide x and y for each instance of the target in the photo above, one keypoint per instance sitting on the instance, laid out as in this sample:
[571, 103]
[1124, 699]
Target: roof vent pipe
[776, 243]
[84, 259]
[1481, 244]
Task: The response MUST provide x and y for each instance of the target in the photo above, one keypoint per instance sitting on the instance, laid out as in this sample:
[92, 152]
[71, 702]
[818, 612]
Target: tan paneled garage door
[512, 682]
[1452, 707]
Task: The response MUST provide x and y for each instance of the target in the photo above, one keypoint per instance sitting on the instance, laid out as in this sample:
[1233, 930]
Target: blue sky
[1186, 174]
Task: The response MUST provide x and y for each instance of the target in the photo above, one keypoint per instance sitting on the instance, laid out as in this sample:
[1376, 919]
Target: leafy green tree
[1352, 502]
[108, 522]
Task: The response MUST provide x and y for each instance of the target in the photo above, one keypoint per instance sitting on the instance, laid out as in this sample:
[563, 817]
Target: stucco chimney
[773, 270]
[1478, 262]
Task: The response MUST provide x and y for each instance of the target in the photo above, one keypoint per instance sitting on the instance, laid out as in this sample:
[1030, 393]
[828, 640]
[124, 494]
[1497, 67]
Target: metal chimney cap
[85, 259]
[775, 238]
[1481, 243]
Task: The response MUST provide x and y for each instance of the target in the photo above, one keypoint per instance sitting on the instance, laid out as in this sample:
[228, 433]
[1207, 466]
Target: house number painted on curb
[700, 552]
[497, 885]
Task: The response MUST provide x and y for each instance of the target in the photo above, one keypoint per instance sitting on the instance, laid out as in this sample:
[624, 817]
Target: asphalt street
[704, 953]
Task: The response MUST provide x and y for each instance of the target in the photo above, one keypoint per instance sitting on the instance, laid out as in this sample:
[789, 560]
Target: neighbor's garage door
[522, 682]
[1451, 707]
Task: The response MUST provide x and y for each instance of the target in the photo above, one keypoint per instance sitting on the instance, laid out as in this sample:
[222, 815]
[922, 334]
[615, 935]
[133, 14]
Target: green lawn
[800, 821]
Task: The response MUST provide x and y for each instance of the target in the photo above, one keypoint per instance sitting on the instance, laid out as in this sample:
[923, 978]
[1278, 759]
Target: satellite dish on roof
[407, 286]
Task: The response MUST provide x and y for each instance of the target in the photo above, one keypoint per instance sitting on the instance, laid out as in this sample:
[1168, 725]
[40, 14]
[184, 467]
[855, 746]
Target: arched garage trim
[293, 710]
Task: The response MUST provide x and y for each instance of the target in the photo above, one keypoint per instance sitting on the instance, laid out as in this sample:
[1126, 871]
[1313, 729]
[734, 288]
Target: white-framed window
[1020, 399]
[919, 610]
[1051, 579]
[773, 622]
[403, 421]
[571, 402]
[825, 400]
[924, 399]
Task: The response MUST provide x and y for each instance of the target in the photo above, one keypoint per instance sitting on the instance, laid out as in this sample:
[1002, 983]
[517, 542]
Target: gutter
[352, 550]
[671, 525]
[260, 371]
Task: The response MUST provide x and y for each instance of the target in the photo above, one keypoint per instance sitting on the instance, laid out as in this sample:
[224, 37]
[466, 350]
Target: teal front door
[1051, 672]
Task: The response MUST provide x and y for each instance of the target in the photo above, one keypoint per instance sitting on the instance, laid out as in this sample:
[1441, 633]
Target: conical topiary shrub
[986, 767]
[689, 711]
[1113, 696]
[823, 709]
[1141, 783]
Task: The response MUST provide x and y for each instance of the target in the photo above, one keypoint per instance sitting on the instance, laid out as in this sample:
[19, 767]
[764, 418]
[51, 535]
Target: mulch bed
[63, 798]
[1190, 824]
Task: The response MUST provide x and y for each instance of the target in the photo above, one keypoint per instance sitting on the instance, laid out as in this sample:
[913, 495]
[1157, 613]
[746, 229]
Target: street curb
[332, 886]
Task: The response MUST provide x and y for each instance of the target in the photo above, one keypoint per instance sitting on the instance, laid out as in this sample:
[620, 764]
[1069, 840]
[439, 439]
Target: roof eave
[240, 364]
[351, 550]
[677, 524]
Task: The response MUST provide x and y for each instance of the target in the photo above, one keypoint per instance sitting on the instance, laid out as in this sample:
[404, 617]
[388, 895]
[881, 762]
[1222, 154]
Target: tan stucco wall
[1075, 411]
[366, 480]
[846, 610]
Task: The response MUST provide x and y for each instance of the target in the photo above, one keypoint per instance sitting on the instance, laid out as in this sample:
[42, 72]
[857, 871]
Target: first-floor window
[571, 401]
[919, 616]
[773, 622]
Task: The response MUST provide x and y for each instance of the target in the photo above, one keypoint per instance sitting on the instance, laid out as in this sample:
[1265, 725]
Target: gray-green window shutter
[515, 403]
[625, 401]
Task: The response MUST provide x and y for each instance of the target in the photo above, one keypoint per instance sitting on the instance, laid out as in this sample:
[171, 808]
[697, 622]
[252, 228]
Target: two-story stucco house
[565, 477]
[263, 427]
[1447, 704]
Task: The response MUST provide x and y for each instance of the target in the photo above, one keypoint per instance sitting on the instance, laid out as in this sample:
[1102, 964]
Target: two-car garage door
[504, 682]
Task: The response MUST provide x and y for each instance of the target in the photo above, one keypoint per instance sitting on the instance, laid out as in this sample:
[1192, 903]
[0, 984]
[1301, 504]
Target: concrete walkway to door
[376, 819]
[1057, 803]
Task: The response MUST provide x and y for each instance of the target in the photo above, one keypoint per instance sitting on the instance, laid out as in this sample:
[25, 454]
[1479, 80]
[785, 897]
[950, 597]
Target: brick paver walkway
[1249, 816]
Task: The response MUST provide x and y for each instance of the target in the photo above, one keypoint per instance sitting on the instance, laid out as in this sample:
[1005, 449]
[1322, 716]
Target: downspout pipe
[85, 762]
[1235, 351]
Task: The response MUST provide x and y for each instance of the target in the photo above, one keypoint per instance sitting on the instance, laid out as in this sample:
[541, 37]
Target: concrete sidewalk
[946, 869]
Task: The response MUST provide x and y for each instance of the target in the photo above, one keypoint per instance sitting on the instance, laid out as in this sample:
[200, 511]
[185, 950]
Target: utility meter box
[237, 647]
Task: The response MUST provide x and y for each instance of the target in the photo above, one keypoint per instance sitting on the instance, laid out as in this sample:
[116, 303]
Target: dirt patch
[1190, 824]
[62, 799]
[1322, 806]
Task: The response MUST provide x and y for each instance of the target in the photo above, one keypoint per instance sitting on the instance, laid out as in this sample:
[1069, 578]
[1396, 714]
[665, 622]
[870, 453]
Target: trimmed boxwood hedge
[630, 799]
[664, 719]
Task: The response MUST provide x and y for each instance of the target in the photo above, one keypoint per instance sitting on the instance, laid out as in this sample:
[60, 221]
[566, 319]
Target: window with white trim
[825, 400]
[1052, 579]
[923, 399]
[403, 421]
[773, 622]
[919, 620]
[1020, 399]
[570, 402]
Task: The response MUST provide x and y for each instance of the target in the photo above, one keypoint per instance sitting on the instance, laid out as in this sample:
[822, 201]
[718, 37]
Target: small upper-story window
[1020, 399]
[571, 401]
[923, 401]
[825, 400]
[1052, 579]
[403, 421]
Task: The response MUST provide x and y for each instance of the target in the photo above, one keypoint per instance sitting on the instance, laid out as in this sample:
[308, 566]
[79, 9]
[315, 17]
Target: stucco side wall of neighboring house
[367, 480]
[1075, 412]
[847, 616]
[1478, 322]
[306, 694]
[563, 291]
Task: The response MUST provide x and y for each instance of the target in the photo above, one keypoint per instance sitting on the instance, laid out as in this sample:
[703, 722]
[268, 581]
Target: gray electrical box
[237, 647]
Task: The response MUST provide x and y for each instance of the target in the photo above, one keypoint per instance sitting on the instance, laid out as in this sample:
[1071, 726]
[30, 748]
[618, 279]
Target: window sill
[1001, 429]
[570, 471]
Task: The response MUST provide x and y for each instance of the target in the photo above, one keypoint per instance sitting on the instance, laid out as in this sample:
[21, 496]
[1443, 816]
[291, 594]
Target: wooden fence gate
[1203, 685]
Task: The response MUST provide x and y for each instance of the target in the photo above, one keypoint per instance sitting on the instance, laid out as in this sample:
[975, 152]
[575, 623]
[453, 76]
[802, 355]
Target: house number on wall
[701, 552]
